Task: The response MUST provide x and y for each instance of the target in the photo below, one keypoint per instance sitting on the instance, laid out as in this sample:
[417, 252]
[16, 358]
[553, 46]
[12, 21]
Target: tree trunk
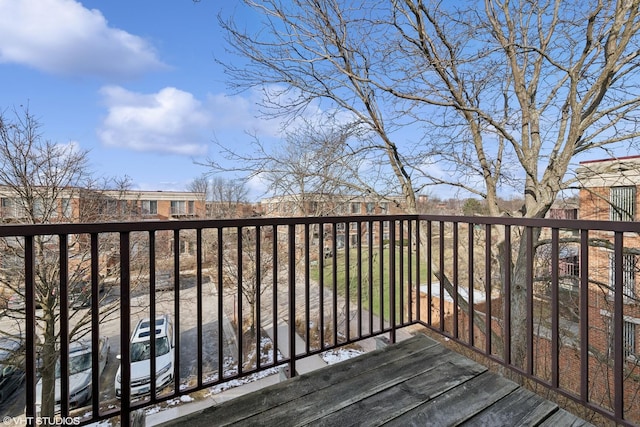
[47, 372]
[518, 299]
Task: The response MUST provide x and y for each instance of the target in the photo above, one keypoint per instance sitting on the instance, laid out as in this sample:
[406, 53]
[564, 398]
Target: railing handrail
[7, 230]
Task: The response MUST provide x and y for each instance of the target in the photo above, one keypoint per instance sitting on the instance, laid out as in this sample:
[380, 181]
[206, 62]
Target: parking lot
[110, 328]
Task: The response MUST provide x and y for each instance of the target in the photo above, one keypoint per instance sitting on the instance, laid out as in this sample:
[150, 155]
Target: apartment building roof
[621, 171]
[120, 194]
[152, 195]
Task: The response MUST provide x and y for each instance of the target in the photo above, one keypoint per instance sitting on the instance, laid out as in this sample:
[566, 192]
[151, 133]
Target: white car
[141, 355]
[79, 373]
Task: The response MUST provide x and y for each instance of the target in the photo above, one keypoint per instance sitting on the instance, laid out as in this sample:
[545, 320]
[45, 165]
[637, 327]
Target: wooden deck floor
[414, 382]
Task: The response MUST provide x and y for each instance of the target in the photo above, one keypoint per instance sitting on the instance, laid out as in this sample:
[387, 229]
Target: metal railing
[240, 292]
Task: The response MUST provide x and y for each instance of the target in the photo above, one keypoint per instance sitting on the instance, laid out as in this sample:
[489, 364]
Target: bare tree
[200, 185]
[507, 94]
[39, 182]
[314, 163]
[226, 197]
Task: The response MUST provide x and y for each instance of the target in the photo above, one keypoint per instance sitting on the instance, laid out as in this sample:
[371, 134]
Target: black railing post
[64, 324]
[199, 296]
[292, 300]
[429, 272]
[95, 324]
[555, 309]
[307, 282]
[392, 281]
[418, 243]
[152, 309]
[618, 316]
[30, 341]
[334, 282]
[507, 295]
[239, 296]
[487, 290]
[584, 315]
[347, 270]
[220, 301]
[255, 311]
[125, 331]
[530, 255]
[456, 246]
[176, 311]
[470, 284]
[441, 255]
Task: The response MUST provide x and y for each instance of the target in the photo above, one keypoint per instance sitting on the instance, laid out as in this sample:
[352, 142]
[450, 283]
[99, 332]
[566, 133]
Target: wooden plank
[254, 403]
[565, 419]
[327, 400]
[458, 404]
[393, 402]
[520, 408]
[415, 382]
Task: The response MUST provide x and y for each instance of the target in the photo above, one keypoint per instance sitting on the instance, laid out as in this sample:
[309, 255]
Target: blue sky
[134, 82]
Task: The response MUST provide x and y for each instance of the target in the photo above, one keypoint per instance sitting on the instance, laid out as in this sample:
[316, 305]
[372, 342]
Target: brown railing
[237, 291]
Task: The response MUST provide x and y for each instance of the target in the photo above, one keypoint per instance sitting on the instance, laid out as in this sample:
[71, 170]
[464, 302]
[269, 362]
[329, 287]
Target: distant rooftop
[621, 171]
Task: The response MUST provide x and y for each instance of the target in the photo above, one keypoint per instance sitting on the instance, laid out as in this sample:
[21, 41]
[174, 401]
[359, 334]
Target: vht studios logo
[41, 421]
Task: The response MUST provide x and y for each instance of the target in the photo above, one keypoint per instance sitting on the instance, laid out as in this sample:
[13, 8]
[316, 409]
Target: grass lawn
[370, 273]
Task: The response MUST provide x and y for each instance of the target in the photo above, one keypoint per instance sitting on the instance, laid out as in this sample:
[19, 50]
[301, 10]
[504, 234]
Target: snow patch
[338, 355]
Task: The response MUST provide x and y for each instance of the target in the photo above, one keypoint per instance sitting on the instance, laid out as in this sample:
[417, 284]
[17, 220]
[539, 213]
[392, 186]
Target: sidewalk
[308, 364]
[304, 365]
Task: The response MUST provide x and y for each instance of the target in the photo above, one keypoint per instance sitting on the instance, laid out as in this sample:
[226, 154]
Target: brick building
[608, 192]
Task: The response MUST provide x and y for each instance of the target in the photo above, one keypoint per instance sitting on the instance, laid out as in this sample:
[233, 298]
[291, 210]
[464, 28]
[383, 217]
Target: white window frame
[629, 335]
[178, 207]
[149, 207]
[622, 203]
[629, 341]
[629, 268]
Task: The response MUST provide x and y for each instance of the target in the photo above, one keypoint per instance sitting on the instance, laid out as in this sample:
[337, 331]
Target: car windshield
[77, 364]
[142, 350]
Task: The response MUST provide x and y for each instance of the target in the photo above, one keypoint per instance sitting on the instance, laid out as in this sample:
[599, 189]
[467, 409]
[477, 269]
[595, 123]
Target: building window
[355, 208]
[39, 209]
[54, 209]
[192, 207]
[371, 208]
[622, 203]
[629, 267]
[384, 208]
[109, 207]
[178, 207]
[629, 339]
[66, 207]
[150, 207]
[12, 208]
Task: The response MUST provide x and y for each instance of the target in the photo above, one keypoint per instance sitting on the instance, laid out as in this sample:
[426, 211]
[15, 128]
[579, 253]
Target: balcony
[238, 292]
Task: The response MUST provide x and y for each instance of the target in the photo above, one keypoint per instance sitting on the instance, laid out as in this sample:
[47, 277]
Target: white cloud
[175, 121]
[169, 121]
[63, 37]
[241, 113]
